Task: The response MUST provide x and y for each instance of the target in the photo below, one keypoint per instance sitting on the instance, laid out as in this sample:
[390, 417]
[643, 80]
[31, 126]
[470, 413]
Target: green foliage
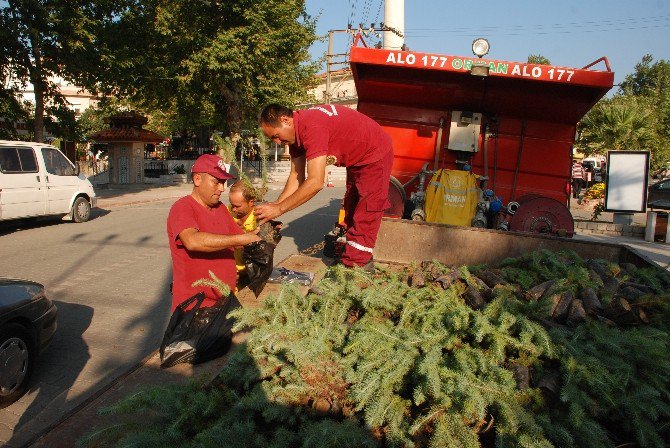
[11, 109]
[212, 65]
[536, 267]
[226, 149]
[619, 123]
[622, 377]
[636, 118]
[656, 279]
[538, 59]
[96, 118]
[213, 282]
[367, 360]
[44, 41]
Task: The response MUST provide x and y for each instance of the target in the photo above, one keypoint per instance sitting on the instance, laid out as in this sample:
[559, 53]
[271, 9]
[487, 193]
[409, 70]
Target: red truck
[512, 122]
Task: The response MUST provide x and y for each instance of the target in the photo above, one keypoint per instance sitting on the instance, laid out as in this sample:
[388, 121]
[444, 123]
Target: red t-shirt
[352, 137]
[188, 267]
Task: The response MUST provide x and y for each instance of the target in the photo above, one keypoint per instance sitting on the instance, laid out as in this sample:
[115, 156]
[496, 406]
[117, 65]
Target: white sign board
[627, 179]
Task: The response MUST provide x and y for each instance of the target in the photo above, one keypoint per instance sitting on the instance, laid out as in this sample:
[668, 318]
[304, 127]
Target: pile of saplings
[544, 350]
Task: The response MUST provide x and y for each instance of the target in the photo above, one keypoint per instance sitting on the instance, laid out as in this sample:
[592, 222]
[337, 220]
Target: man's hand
[252, 236]
[266, 212]
[249, 237]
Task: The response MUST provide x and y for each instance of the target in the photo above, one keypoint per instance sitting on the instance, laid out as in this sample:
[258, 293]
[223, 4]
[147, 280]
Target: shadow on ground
[232, 410]
[58, 367]
[319, 222]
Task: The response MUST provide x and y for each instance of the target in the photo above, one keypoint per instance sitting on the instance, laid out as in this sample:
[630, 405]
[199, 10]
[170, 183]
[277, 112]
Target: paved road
[110, 280]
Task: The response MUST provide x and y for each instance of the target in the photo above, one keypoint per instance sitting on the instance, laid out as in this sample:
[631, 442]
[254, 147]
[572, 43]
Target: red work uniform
[187, 267]
[360, 144]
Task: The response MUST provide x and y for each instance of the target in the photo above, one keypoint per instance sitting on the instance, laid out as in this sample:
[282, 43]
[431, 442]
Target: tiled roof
[127, 135]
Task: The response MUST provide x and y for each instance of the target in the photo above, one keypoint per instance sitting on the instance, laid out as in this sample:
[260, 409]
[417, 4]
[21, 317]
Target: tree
[208, 65]
[636, 118]
[651, 80]
[538, 59]
[615, 124]
[11, 111]
[42, 41]
[648, 79]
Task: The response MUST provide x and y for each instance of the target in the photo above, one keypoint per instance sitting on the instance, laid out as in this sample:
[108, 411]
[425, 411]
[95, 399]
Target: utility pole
[363, 31]
[330, 63]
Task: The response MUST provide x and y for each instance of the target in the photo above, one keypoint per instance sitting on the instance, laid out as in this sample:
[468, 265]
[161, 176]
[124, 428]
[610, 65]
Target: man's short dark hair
[272, 113]
[248, 192]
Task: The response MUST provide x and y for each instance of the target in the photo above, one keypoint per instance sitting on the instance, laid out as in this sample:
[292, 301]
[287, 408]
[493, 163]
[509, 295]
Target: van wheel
[17, 355]
[81, 210]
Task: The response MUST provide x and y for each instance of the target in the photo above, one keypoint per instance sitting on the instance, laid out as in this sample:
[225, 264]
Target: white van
[38, 180]
[597, 162]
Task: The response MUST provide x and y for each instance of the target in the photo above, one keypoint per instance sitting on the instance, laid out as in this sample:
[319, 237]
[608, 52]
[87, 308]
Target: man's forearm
[211, 242]
[292, 184]
[306, 191]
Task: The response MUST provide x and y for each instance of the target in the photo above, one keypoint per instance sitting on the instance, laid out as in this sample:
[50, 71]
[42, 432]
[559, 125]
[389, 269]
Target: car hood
[15, 293]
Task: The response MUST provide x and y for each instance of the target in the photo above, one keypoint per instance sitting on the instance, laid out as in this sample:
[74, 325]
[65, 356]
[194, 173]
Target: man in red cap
[344, 137]
[203, 234]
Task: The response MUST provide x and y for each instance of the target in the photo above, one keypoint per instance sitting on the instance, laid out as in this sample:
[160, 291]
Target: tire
[397, 198]
[81, 210]
[17, 357]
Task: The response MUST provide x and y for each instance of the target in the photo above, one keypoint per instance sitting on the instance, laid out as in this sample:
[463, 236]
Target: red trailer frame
[530, 111]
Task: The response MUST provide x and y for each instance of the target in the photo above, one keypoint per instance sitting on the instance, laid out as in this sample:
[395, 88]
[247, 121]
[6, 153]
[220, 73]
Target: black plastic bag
[199, 334]
[258, 257]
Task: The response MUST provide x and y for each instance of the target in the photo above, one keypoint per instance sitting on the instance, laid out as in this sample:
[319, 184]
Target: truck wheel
[16, 358]
[81, 210]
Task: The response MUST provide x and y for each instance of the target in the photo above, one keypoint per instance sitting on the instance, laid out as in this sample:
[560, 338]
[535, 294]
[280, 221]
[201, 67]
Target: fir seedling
[371, 361]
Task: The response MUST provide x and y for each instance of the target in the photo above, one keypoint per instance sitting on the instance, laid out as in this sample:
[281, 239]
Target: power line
[379, 10]
[589, 23]
[352, 8]
[474, 31]
[366, 11]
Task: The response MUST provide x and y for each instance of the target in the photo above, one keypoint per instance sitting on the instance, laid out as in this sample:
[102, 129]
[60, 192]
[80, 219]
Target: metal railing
[155, 168]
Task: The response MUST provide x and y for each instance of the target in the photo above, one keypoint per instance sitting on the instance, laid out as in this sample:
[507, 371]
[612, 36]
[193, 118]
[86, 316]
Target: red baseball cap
[212, 165]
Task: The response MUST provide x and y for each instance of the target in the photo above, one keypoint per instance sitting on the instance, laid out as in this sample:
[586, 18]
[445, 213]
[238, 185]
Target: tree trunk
[474, 298]
[491, 278]
[561, 305]
[537, 291]
[39, 86]
[592, 303]
[576, 314]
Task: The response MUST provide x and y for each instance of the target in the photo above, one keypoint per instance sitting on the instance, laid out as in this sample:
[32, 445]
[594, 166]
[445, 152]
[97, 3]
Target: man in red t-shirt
[203, 235]
[347, 138]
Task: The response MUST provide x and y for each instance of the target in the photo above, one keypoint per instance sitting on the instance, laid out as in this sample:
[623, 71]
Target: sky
[570, 33]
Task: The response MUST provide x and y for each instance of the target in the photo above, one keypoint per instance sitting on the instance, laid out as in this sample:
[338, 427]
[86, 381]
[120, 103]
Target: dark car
[661, 173]
[27, 325]
[659, 195]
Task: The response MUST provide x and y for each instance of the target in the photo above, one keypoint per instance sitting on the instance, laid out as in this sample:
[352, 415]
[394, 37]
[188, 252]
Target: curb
[608, 228]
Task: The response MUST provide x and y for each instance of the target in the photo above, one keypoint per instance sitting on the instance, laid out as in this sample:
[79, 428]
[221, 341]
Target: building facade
[342, 89]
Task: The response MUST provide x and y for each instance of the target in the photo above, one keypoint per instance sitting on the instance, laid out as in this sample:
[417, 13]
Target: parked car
[662, 172]
[38, 180]
[659, 195]
[27, 325]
